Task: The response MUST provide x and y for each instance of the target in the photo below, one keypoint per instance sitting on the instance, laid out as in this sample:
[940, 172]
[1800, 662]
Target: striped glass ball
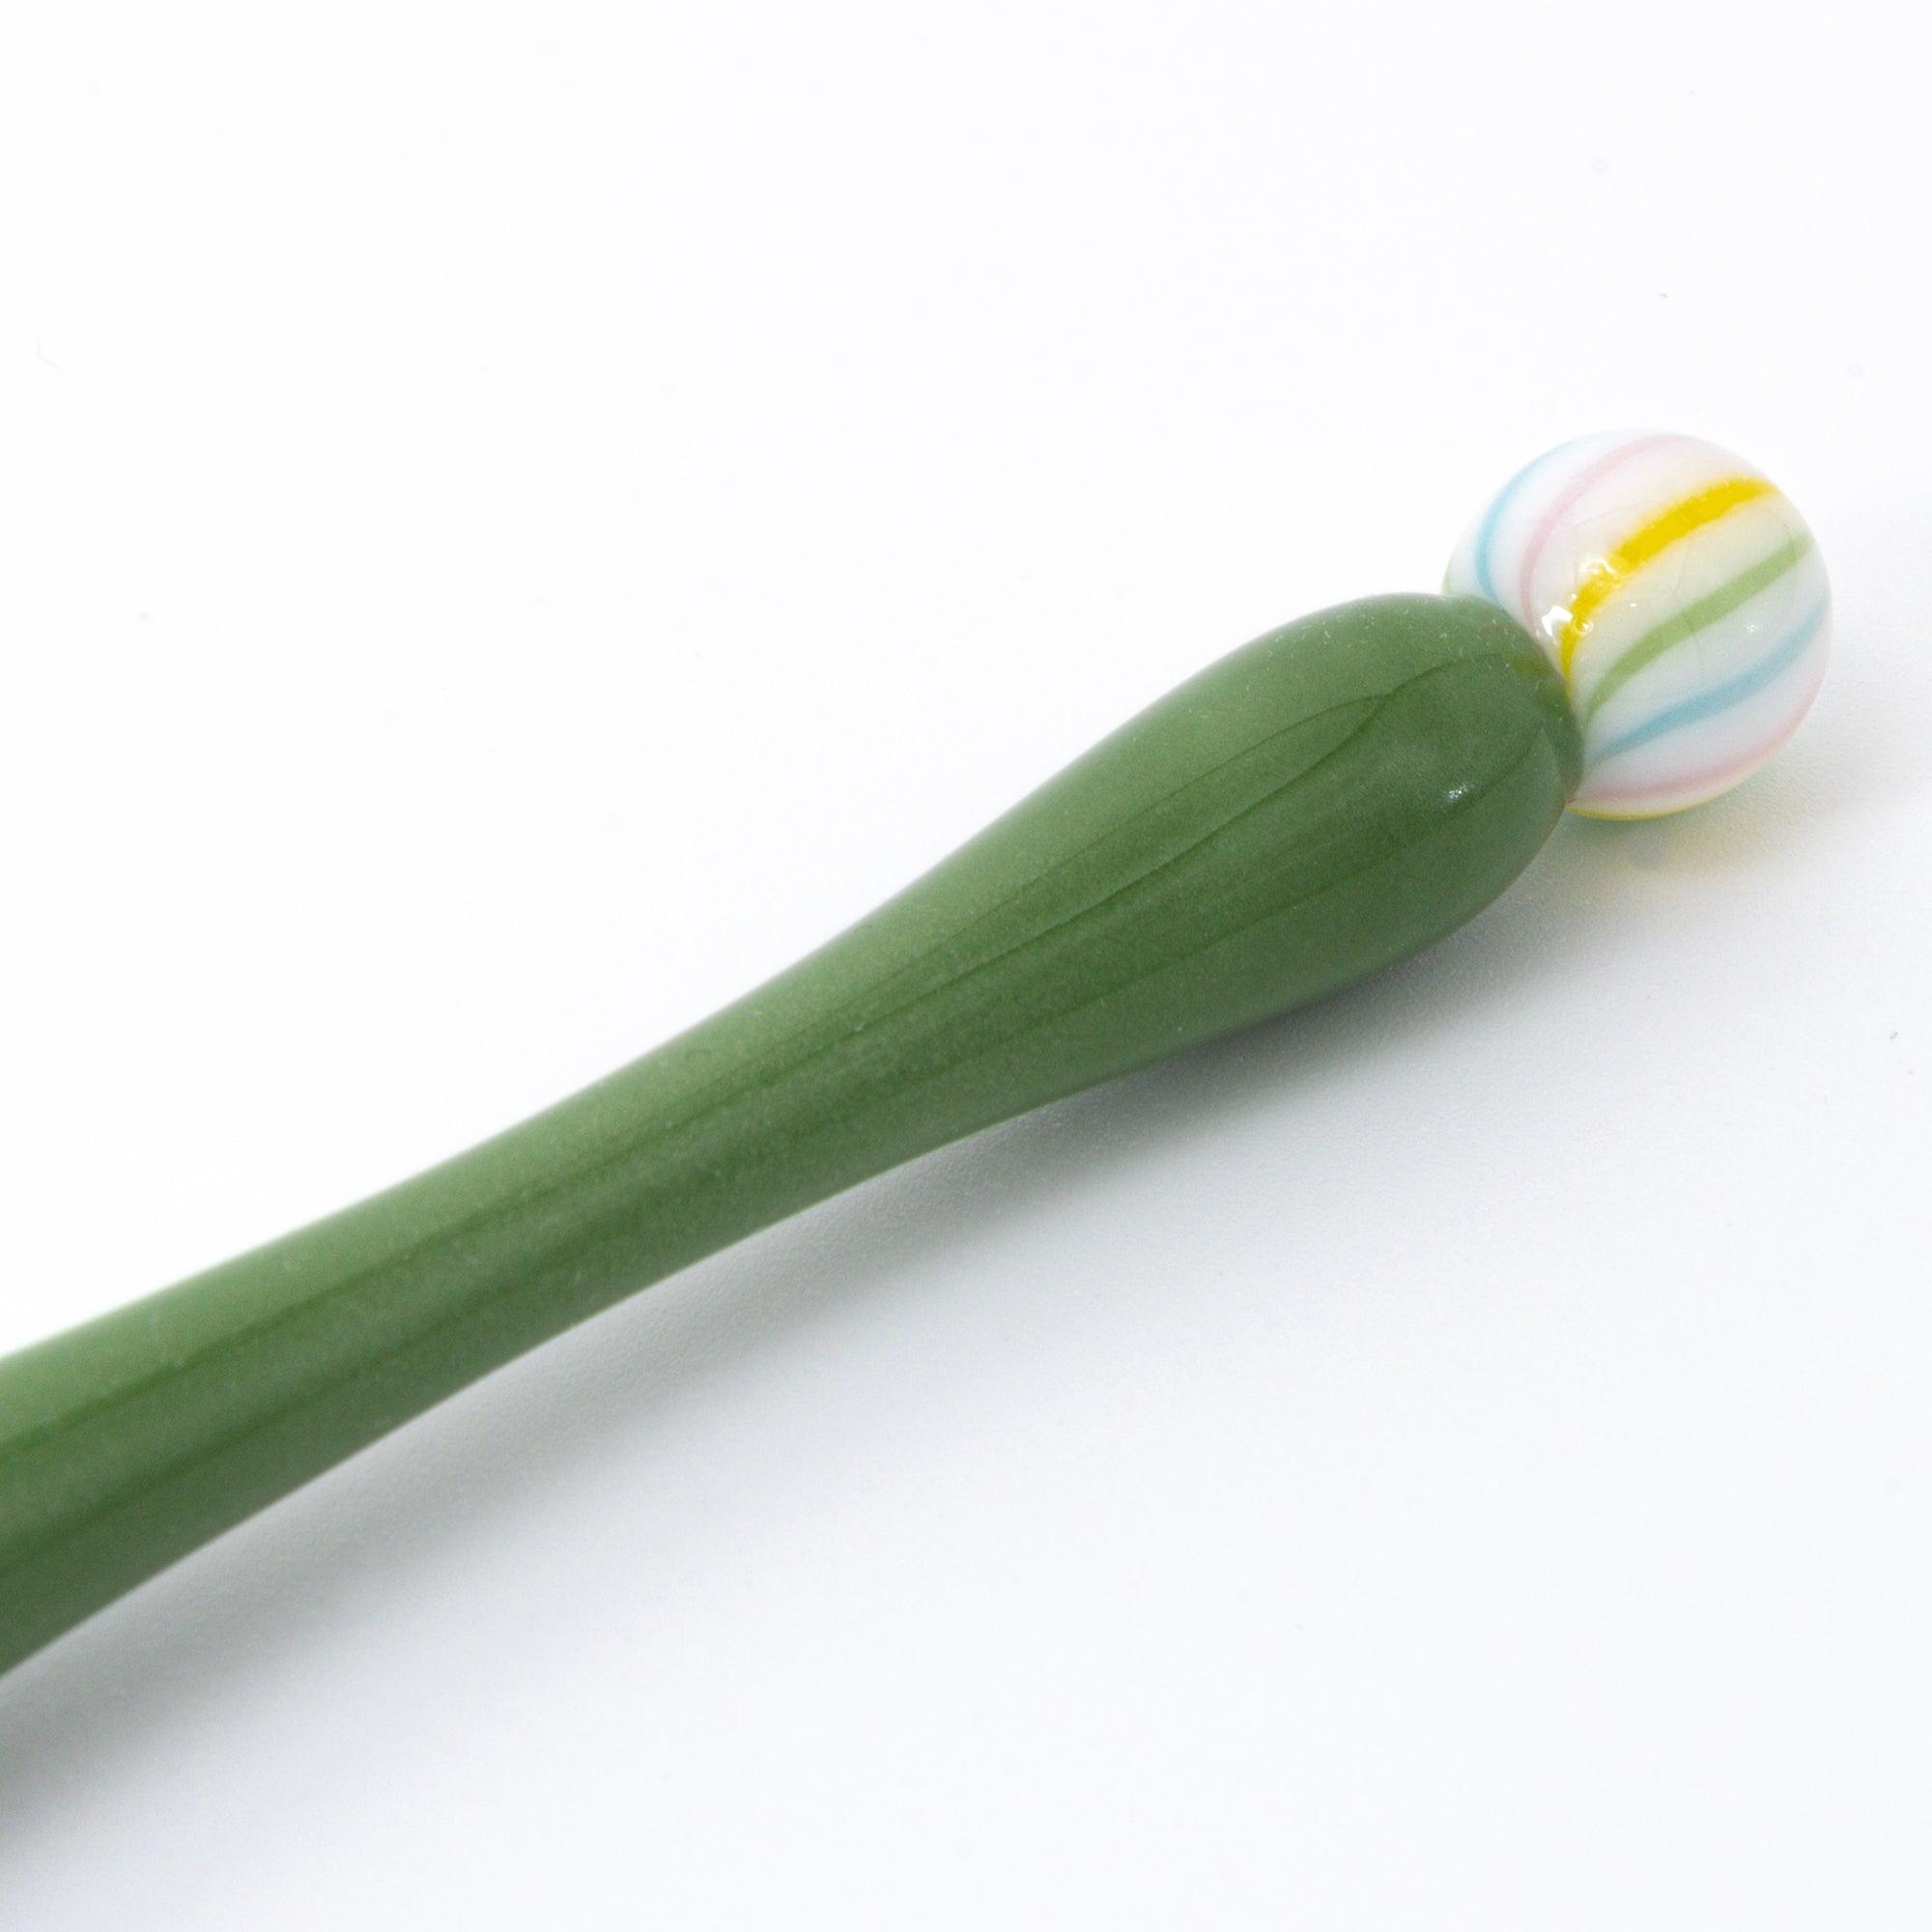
[1681, 596]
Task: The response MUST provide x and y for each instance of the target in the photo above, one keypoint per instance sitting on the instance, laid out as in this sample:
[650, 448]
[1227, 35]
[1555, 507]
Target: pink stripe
[1560, 507]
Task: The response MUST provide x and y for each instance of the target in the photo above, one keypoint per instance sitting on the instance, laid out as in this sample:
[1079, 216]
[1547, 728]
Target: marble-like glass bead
[1681, 596]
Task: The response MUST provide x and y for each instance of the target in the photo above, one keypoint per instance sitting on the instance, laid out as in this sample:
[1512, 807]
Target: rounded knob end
[1680, 595]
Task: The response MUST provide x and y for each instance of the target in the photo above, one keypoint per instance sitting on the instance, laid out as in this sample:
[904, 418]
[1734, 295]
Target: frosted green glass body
[1320, 804]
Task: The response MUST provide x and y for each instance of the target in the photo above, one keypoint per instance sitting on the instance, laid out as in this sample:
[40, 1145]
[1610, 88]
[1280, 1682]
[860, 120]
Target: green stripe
[1695, 618]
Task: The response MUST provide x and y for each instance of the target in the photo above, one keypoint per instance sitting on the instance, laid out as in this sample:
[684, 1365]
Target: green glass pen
[1323, 802]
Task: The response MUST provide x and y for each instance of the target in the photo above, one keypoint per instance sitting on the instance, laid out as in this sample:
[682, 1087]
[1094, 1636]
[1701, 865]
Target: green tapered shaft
[1322, 802]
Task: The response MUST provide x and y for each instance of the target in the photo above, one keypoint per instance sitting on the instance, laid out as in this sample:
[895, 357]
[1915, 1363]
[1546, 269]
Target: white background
[523, 518]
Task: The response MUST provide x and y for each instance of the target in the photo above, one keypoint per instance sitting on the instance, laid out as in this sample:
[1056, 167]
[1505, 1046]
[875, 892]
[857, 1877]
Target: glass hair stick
[1631, 626]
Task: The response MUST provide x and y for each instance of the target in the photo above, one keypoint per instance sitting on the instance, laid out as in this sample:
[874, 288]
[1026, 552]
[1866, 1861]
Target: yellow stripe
[1648, 540]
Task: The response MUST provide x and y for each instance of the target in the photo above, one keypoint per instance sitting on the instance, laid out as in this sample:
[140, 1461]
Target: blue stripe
[1720, 697]
[1486, 537]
